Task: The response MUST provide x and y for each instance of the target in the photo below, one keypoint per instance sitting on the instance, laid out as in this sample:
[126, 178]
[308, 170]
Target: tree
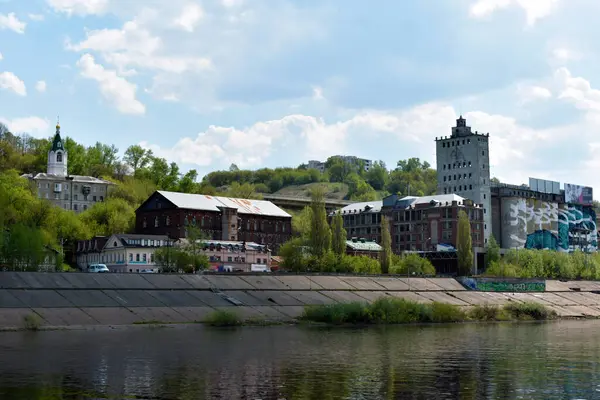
[243, 191]
[386, 244]
[464, 245]
[137, 157]
[339, 235]
[493, 251]
[320, 233]
[412, 164]
[301, 222]
[233, 168]
[377, 175]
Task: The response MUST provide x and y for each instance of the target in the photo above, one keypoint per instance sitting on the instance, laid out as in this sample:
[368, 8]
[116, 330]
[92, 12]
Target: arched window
[59, 157]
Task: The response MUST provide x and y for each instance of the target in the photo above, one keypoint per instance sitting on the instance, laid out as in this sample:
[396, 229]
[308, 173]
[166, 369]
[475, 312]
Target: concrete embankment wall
[79, 299]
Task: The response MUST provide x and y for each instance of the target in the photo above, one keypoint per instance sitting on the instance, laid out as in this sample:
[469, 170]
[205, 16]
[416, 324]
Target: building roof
[76, 178]
[212, 203]
[440, 198]
[363, 245]
[57, 143]
[128, 236]
[364, 207]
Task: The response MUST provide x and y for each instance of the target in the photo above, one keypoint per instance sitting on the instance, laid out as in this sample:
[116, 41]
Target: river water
[557, 360]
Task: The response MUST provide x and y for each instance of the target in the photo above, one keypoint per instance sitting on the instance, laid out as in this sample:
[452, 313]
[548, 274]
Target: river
[557, 360]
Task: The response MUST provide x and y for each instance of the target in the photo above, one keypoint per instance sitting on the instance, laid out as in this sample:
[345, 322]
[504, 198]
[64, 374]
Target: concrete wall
[80, 299]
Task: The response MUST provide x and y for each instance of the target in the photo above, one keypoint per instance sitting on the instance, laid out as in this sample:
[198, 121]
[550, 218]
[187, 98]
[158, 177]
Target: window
[258, 260]
[144, 259]
[444, 166]
[94, 198]
[167, 221]
[445, 191]
[484, 196]
[483, 153]
[84, 207]
[470, 187]
[459, 187]
[469, 163]
[137, 257]
[454, 177]
[75, 207]
[66, 196]
[144, 223]
[101, 198]
[156, 222]
[485, 210]
[470, 174]
[229, 259]
[463, 141]
[75, 197]
[130, 257]
[59, 157]
[444, 179]
[443, 144]
[151, 257]
[115, 244]
[483, 166]
[455, 188]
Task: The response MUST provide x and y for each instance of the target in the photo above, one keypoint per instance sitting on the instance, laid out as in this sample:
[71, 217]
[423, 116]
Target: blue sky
[207, 83]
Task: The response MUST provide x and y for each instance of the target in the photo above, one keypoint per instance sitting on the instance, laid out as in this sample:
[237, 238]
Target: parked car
[147, 271]
[98, 268]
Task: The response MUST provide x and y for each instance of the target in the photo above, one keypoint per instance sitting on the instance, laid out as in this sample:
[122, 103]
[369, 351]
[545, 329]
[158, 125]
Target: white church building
[71, 192]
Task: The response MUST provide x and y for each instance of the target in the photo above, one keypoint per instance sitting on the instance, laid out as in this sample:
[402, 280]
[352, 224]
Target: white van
[98, 268]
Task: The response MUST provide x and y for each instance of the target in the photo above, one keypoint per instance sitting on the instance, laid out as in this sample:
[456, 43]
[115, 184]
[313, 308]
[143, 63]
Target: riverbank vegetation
[526, 263]
[401, 311]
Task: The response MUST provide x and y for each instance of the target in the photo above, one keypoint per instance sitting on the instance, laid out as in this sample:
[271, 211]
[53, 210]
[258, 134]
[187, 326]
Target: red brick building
[219, 218]
[416, 223]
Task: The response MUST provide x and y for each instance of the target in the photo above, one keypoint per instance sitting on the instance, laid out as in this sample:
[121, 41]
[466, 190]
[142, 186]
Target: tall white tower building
[57, 156]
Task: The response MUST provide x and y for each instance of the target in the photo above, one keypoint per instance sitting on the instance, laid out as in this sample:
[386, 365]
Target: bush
[32, 322]
[486, 312]
[341, 313]
[411, 263]
[223, 318]
[529, 311]
[442, 312]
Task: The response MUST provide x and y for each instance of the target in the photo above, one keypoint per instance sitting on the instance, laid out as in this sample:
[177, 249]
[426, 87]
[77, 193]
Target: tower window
[483, 153]
[444, 179]
[443, 144]
[444, 166]
[470, 187]
[463, 141]
[469, 163]
[445, 191]
[468, 141]
[59, 157]
[470, 174]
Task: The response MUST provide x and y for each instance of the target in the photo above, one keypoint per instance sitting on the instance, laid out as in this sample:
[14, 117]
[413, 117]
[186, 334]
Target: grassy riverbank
[401, 311]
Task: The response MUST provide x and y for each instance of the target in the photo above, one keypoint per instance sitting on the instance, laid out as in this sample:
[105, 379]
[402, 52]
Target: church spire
[57, 143]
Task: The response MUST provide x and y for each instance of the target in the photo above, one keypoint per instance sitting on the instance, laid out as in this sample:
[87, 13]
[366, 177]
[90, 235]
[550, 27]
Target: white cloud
[1, 57]
[11, 22]
[232, 3]
[190, 16]
[34, 126]
[133, 46]
[564, 54]
[317, 93]
[79, 7]
[117, 90]
[530, 93]
[36, 17]
[534, 9]
[577, 91]
[10, 81]
[40, 86]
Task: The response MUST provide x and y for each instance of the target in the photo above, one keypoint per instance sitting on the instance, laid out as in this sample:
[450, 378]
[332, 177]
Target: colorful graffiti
[503, 285]
[537, 224]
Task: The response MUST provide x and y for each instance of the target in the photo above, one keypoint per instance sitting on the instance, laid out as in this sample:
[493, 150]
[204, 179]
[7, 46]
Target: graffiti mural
[577, 228]
[503, 285]
[537, 224]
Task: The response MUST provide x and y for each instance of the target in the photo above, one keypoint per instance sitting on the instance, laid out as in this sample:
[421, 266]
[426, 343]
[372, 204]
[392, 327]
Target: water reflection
[498, 361]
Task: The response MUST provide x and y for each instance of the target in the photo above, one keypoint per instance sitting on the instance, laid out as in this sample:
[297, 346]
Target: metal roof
[212, 203]
[76, 178]
[364, 207]
[442, 198]
[366, 246]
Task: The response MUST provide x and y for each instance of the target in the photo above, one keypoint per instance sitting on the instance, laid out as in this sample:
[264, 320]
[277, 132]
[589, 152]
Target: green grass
[400, 311]
[32, 322]
[333, 190]
[223, 318]
[529, 311]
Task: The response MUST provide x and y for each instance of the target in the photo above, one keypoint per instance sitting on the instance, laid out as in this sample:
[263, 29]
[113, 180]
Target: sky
[268, 83]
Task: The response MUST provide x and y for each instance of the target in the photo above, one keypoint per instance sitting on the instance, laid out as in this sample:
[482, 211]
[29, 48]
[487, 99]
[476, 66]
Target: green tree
[294, 255]
[493, 251]
[320, 233]
[243, 191]
[386, 244]
[301, 222]
[464, 245]
[339, 235]
[137, 157]
[377, 176]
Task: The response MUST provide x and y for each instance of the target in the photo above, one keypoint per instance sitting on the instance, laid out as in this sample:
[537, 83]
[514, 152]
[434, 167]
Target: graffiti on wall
[503, 285]
[537, 224]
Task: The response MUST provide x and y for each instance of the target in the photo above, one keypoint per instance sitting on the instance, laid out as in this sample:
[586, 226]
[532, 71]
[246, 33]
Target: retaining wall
[80, 299]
